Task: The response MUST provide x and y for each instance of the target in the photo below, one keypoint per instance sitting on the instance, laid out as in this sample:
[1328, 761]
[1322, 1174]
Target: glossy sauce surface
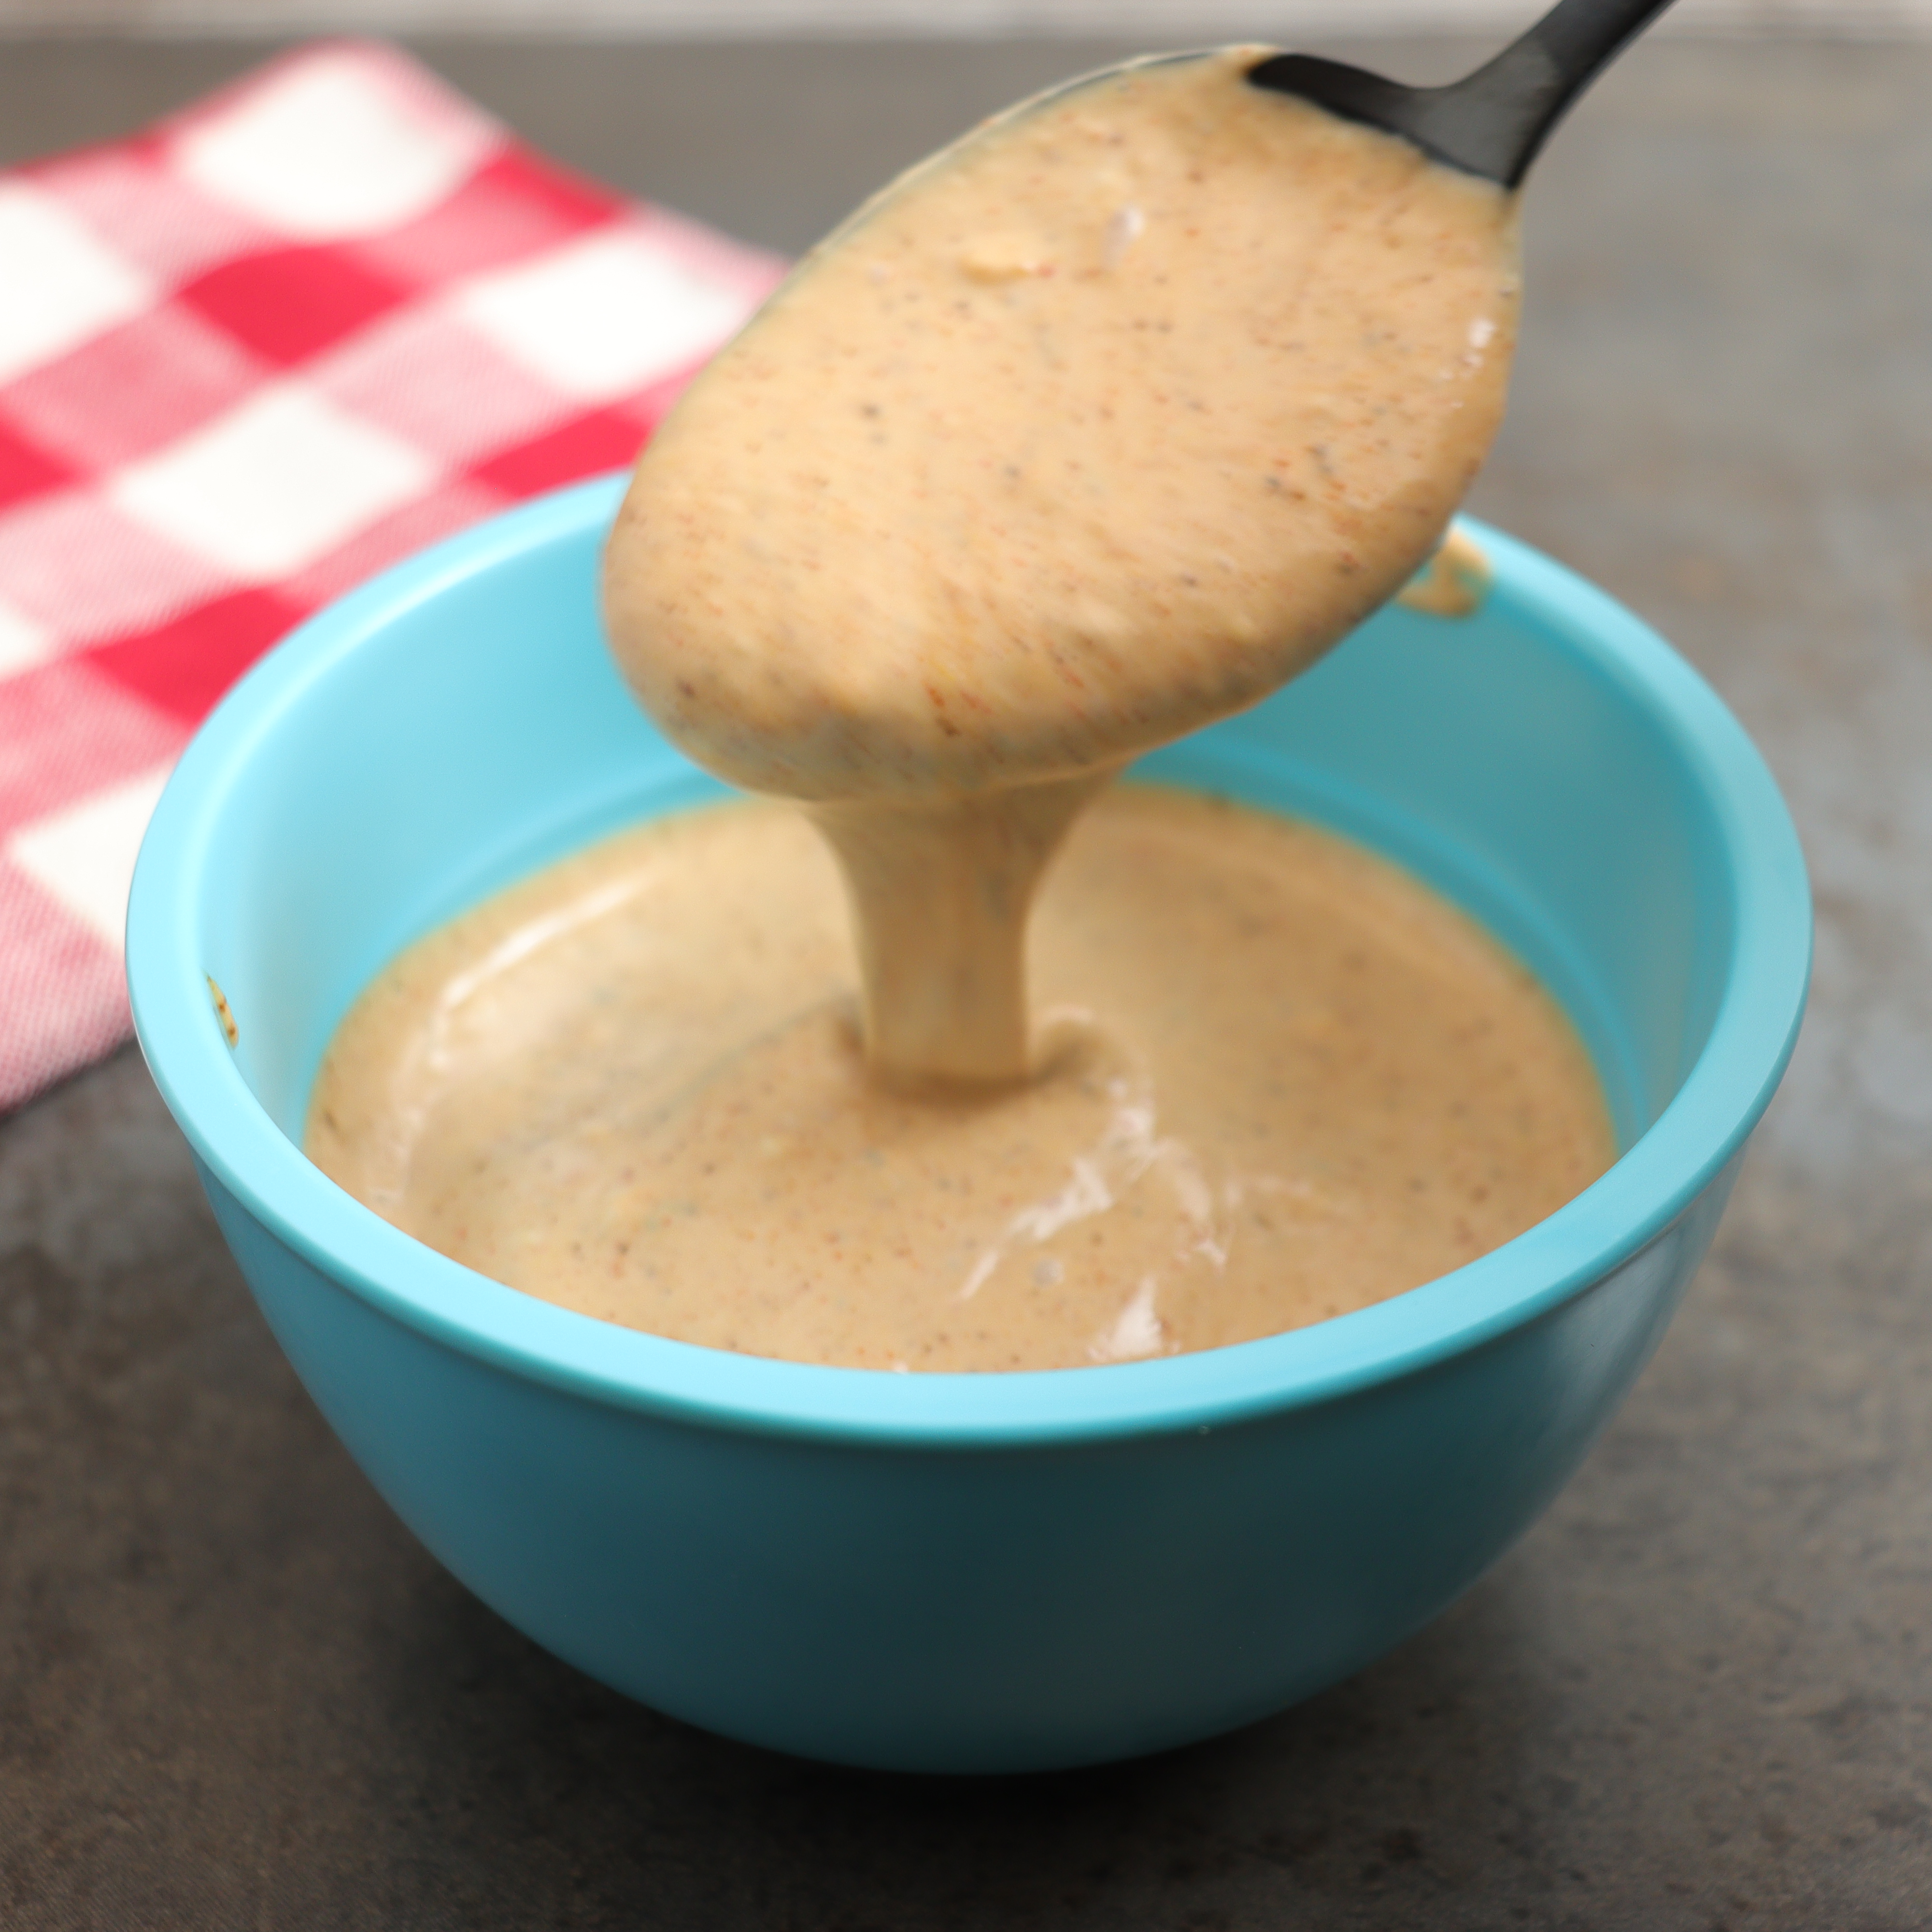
[1281, 1080]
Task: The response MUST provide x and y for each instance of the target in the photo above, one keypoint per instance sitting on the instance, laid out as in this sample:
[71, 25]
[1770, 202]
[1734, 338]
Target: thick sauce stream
[1100, 426]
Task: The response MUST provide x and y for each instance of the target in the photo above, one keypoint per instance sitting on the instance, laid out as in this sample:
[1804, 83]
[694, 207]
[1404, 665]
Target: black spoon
[1492, 122]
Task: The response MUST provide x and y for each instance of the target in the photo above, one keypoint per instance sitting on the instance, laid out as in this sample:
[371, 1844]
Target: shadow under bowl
[969, 1573]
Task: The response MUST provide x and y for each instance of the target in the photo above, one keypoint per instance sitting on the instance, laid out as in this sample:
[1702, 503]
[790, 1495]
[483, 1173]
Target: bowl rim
[1686, 1149]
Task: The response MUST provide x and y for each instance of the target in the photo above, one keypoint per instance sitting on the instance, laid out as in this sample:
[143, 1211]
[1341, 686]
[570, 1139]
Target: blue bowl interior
[1548, 763]
[1522, 782]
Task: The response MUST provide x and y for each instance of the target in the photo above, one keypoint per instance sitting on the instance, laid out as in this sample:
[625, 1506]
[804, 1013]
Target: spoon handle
[1492, 122]
[1504, 111]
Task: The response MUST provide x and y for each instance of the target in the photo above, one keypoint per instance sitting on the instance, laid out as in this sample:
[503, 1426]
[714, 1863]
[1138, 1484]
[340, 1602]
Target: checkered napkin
[246, 358]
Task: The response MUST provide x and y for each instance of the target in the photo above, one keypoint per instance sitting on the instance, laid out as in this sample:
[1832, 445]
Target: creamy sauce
[1281, 1081]
[1099, 427]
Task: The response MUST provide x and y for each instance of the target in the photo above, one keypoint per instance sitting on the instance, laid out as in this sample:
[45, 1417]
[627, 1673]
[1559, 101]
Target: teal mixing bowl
[960, 1573]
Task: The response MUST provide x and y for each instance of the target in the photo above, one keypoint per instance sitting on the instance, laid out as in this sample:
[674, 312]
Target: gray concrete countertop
[233, 1691]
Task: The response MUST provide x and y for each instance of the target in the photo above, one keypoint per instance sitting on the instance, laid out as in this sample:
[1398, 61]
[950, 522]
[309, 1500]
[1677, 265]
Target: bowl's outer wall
[941, 1610]
[969, 1573]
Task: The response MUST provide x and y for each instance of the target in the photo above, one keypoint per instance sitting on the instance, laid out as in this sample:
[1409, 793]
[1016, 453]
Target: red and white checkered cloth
[247, 358]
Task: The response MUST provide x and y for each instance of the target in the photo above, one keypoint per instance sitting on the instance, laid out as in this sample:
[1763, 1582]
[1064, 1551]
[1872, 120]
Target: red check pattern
[247, 358]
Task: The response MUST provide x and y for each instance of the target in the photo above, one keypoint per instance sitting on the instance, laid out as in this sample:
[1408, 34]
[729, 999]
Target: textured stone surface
[234, 1692]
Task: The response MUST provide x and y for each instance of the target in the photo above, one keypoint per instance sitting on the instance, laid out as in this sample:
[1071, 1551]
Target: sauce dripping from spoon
[1098, 426]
